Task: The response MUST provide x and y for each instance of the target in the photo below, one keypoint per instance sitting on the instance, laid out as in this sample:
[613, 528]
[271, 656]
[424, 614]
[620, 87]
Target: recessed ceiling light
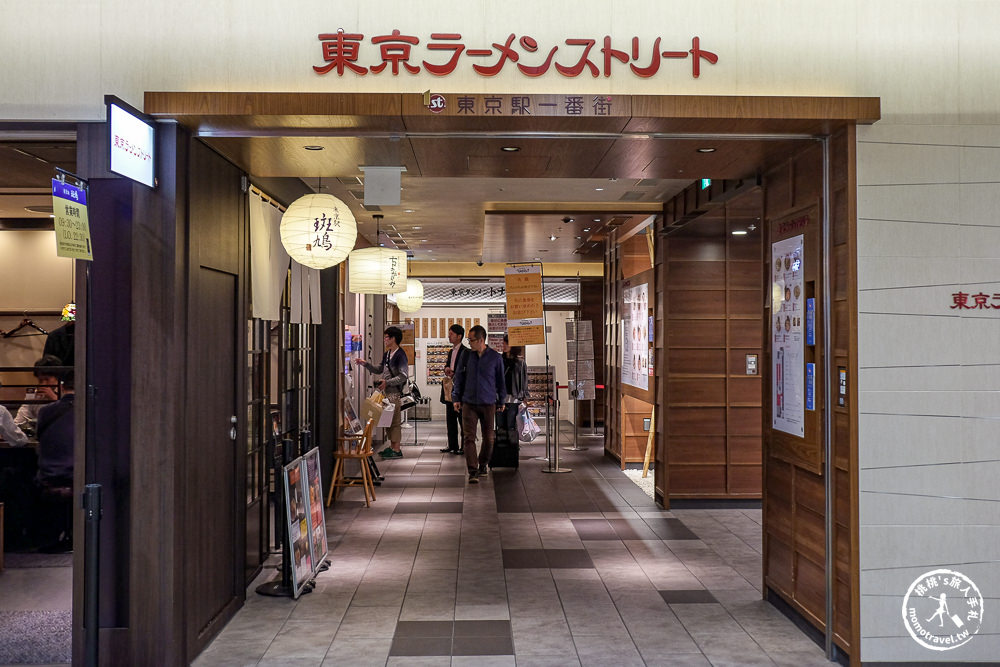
[597, 219]
[313, 148]
[429, 250]
[510, 149]
[423, 240]
[739, 232]
[538, 259]
[578, 237]
[586, 229]
[407, 210]
[706, 150]
[553, 237]
[599, 189]
[418, 227]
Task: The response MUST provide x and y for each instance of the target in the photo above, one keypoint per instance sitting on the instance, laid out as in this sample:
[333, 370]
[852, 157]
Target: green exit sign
[705, 182]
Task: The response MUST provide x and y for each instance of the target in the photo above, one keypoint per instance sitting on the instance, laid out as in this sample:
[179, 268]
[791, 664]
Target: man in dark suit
[456, 334]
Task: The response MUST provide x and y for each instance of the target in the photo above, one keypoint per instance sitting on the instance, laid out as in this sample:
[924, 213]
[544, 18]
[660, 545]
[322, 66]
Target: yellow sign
[526, 335]
[525, 312]
[69, 211]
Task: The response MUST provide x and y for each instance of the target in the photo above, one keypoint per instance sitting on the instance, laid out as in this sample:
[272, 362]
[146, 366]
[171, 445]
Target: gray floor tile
[576, 569]
[421, 646]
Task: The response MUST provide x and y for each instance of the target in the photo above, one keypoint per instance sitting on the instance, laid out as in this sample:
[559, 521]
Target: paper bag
[372, 409]
[385, 421]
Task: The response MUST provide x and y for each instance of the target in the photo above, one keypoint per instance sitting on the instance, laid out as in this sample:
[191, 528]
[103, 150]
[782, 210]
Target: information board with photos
[787, 315]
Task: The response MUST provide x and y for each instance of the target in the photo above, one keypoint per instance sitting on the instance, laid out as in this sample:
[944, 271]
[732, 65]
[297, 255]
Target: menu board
[296, 511]
[306, 522]
[317, 520]
[635, 336]
[787, 315]
[437, 358]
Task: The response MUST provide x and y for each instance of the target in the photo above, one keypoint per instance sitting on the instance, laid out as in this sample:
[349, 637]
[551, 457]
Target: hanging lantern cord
[378, 219]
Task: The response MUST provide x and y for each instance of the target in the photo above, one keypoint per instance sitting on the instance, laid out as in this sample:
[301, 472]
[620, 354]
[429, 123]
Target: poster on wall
[296, 514]
[635, 332]
[787, 315]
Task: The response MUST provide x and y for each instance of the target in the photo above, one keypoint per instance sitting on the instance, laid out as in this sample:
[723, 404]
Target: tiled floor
[524, 568]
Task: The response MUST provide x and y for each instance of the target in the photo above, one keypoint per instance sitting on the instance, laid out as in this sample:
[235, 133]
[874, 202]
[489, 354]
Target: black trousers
[453, 419]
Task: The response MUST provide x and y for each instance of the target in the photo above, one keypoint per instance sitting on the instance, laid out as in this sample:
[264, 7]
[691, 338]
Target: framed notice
[525, 314]
[635, 346]
[297, 518]
[787, 317]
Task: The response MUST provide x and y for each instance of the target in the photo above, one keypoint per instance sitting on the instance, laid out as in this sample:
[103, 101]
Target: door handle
[232, 429]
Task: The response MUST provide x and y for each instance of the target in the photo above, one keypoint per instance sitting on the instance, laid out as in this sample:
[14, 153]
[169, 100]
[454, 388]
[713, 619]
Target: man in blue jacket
[478, 393]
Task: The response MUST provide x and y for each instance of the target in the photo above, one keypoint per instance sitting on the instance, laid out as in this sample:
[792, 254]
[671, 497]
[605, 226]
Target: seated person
[27, 414]
[9, 431]
[55, 465]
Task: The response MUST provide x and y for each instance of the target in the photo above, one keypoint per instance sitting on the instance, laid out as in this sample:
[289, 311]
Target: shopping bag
[373, 408]
[388, 409]
[527, 429]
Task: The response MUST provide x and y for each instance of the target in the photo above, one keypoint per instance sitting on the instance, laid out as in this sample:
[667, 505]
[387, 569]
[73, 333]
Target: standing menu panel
[787, 316]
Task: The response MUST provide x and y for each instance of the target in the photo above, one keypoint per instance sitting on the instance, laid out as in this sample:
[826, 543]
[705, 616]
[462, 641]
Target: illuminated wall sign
[132, 140]
[705, 183]
[445, 52]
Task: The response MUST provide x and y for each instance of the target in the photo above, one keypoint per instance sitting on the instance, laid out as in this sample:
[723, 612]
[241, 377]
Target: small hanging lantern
[411, 300]
[377, 270]
[318, 231]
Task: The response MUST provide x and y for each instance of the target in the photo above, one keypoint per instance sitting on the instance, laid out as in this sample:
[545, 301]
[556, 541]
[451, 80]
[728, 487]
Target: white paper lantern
[377, 271]
[318, 231]
[411, 300]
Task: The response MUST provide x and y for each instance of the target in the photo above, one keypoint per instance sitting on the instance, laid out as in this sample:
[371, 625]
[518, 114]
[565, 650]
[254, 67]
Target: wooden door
[214, 484]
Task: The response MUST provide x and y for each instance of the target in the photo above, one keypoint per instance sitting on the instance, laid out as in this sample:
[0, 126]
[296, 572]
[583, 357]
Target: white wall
[32, 278]
[929, 60]
[929, 379]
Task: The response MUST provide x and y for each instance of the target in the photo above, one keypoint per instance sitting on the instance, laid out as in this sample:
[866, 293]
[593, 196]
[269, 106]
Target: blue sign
[810, 321]
[810, 386]
[705, 182]
[71, 192]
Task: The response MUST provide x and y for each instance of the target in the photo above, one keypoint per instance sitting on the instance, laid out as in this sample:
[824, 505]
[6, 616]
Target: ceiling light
[553, 237]
[597, 219]
[510, 149]
[418, 227]
[313, 148]
[739, 232]
[538, 259]
[586, 229]
[578, 237]
[599, 189]
[423, 240]
[429, 250]
[408, 210]
[706, 150]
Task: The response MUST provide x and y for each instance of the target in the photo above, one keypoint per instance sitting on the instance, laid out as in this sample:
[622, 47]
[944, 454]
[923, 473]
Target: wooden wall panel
[692, 480]
[713, 319]
[696, 362]
[700, 333]
[794, 488]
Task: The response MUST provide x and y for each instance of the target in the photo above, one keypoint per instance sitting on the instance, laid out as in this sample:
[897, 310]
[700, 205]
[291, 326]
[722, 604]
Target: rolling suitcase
[506, 448]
